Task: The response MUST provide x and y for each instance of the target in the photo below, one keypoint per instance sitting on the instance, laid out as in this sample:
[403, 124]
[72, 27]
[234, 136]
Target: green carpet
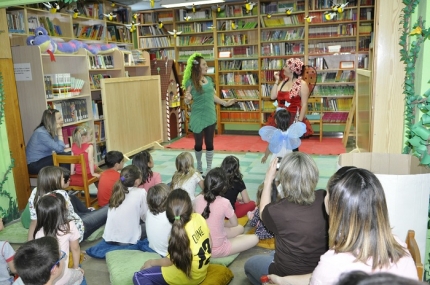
[250, 165]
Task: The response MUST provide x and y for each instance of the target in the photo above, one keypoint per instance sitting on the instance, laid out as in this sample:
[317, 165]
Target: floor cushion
[122, 264]
[226, 260]
[97, 234]
[14, 233]
[264, 243]
[243, 220]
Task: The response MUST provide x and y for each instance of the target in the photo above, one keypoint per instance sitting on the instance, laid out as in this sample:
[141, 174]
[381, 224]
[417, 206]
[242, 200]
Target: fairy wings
[290, 139]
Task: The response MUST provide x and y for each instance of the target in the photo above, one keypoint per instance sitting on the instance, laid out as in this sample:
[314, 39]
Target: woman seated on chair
[46, 138]
[360, 235]
[54, 178]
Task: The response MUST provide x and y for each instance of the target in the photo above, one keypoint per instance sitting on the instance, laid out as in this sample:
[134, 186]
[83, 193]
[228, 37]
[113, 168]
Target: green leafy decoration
[411, 41]
[11, 212]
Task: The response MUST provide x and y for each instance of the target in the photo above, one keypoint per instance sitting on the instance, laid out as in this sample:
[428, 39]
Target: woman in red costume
[292, 93]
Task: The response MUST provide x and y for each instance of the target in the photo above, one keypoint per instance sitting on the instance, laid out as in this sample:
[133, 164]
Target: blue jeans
[94, 220]
[257, 266]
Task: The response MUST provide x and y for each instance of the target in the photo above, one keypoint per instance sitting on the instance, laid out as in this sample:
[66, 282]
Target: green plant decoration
[11, 212]
[411, 40]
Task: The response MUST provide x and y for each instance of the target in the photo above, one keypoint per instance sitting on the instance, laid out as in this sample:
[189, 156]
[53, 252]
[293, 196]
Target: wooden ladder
[348, 123]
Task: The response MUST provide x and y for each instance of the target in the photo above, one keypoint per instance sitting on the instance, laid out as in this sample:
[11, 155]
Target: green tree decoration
[11, 212]
[411, 40]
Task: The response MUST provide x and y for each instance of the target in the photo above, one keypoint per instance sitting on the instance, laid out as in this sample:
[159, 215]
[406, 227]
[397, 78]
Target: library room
[109, 108]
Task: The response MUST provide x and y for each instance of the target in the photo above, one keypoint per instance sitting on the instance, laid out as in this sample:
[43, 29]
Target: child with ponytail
[227, 236]
[189, 247]
[52, 220]
[127, 209]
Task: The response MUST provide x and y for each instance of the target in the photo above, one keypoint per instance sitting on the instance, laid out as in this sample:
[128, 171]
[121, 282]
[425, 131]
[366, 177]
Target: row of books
[267, 106]
[324, 47]
[335, 117]
[336, 76]
[208, 54]
[274, 64]
[94, 11]
[68, 134]
[194, 40]
[240, 51]
[243, 106]
[118, 34]
[282, 49]
[283, 35]
[100, 62]
[337, 104]
[52, 29]
[236, 11]
[15, 22]
[90, 32]
[294, 19]
[95, 80]
[333, 31]
[238, 79]
[99, 131]
[231, 25]
[239, 94]
[101, 151]
[347, 15]
[248, 117]
[197, 15]
[324, 4]
[267, 76]
[231, 39]
[238, 65]
[58, 85]
[266, 88]
[165, 16]
[195, 27]
[73, 110]
[154, 30]
[97, 106]
[282, 6]
[159, 42]
[334, 90]
[162, 54]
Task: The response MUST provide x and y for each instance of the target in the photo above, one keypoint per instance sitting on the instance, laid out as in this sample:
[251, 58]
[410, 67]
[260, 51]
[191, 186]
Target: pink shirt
[220, 209]
[156, 179]
[332, 265]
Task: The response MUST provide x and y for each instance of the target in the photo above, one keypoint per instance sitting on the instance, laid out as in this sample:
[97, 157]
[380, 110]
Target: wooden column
[13, 117]
[388, 78]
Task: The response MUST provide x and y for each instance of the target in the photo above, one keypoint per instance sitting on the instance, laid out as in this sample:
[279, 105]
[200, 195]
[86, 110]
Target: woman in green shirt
[200, 92]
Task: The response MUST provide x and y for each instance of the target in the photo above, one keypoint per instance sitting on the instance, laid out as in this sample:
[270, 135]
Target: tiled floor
[96, 270]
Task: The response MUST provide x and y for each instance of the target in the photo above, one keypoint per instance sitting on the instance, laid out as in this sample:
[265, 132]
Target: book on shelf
[100, 62]
[15, 22]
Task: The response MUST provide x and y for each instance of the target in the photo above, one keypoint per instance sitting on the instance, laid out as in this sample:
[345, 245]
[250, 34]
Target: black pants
[36, 166]
[208, 134]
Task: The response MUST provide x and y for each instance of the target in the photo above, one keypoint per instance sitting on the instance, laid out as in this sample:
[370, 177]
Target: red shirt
[107, 180]
[284, 96]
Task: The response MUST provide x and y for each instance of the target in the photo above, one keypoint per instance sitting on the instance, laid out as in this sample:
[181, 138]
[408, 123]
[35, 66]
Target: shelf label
[22, 72]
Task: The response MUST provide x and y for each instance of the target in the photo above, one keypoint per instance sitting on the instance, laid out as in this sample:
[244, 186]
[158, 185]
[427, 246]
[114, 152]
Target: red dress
[295, 104]
[76, 179]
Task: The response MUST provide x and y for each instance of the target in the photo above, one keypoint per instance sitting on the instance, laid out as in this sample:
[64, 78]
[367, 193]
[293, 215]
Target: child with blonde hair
[186, 177]
[127, 209]
[144, 162]
[82, 137]
[52, 220]
[227, 236]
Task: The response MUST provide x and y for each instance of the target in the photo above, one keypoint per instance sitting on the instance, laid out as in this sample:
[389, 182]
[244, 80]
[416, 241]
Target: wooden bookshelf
[259, 42]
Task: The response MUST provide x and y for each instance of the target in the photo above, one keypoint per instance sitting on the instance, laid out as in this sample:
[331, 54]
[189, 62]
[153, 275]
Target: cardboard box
[407, 187]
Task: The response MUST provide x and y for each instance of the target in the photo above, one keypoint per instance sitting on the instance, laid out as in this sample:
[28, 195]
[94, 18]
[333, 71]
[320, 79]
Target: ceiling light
[174, 3]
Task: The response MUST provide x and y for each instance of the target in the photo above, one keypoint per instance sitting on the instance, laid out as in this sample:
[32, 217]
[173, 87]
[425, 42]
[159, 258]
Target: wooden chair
[315, 113]
[412, 245]
[86, 182]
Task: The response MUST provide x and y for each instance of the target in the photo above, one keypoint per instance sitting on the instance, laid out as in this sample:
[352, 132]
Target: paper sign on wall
[22, 71]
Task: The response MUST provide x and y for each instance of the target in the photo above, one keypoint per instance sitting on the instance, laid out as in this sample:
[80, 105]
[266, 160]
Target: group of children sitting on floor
[185, 229]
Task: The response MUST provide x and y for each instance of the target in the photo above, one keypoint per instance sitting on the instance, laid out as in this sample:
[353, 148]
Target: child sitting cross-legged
[143, 160]
[115, 162]
[158, 226]
[186, 177]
